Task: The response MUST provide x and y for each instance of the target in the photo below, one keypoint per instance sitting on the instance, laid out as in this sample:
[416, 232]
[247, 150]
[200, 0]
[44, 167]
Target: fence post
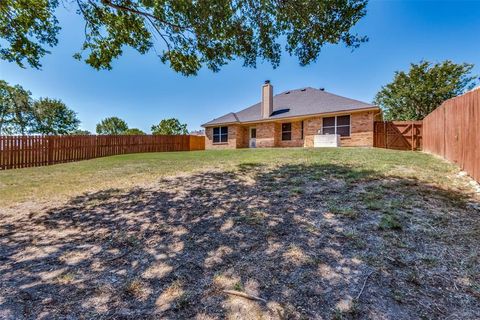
[50, 149]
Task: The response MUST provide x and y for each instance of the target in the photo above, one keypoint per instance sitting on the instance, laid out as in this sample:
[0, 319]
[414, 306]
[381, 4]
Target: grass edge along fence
[452, 131]
[33, 151]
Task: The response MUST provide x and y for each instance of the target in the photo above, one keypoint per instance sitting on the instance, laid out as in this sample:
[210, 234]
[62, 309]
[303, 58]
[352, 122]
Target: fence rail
[33, 151]
[452, 131]
[399, 135]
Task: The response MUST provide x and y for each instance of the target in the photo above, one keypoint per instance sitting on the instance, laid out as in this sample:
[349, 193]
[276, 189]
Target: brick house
[292, 119]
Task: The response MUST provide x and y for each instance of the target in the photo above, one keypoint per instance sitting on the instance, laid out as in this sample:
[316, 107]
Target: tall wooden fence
[32, 151]
[453, 132]
[399, 135]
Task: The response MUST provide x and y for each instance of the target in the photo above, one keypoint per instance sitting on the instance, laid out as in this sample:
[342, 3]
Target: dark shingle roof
[300, 102]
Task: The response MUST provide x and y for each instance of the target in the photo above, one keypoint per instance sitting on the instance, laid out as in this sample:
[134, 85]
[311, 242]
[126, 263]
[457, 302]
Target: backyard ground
[316, 234]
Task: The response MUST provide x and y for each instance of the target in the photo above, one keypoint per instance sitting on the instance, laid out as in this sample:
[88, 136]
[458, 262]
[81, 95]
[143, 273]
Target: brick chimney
[267, 99]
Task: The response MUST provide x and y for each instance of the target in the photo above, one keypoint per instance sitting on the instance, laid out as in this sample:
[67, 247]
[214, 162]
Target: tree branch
[142, 13]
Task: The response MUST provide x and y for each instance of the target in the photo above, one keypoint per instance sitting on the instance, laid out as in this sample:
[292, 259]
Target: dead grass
[305, 235]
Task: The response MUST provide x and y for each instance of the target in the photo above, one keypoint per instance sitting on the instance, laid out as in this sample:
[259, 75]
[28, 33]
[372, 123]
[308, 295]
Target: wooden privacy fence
[197, 143]
[32, 151]
[399, 135]
[452, 131]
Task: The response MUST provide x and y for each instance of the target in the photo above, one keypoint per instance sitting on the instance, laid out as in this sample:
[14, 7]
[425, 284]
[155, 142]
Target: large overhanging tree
[186, 34]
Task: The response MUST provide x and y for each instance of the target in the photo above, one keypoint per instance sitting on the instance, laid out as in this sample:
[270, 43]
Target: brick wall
[242, 137]
[266, 136]
[361, 130]
[232, 138]
[310, 128]
[296, 141]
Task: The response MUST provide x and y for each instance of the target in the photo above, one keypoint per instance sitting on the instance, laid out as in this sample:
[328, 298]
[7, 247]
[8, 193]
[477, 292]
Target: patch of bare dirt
[313, 242]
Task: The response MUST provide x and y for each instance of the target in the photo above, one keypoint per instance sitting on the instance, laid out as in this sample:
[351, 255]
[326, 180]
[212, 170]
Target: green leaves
[27, 27]
[170, 127]
[187, 35]
[16, 112]
[112, 125]
[413, 95]
[53, 117]
[134, 131]
[20, 114]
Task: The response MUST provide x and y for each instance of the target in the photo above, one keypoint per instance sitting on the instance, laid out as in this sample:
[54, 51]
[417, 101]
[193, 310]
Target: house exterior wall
[311, 127]
[269, 134]
[361, 130]
[242, 137]
[361, 135]
[232, 138]
[296, 141]
[266, 136]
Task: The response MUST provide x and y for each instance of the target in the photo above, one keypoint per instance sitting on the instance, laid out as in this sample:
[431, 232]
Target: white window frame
[219, 135]
[343, 125]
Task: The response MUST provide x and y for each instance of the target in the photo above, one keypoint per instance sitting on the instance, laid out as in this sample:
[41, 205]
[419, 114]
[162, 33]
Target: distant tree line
[115, 125]
[21, 114]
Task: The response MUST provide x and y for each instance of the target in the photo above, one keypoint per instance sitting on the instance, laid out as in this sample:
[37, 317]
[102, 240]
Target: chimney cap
[267, 81]
[322, 89]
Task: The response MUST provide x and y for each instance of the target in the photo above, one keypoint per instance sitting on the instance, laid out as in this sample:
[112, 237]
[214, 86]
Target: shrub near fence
[32, 151]
[453, 132]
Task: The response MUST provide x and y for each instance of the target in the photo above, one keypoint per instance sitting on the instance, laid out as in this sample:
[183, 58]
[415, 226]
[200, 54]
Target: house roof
[294, 103]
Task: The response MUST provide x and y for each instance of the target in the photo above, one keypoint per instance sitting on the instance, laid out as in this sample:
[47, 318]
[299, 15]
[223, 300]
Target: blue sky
[141, 90]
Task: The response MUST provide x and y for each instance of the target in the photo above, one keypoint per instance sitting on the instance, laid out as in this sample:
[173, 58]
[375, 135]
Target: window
[302, 131]
[337, 125]
[286, 131]
[220, 134]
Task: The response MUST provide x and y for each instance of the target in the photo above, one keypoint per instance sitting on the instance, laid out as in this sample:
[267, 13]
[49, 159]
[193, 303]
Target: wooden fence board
[452, 132]
[32, 151]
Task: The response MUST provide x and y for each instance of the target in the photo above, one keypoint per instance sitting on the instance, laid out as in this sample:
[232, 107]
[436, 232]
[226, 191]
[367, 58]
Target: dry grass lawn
[317, 234]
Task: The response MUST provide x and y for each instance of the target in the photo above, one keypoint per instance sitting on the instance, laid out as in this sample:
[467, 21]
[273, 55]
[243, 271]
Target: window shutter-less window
[336, 125]
[224, 134]
[286, 131]
[220, 134]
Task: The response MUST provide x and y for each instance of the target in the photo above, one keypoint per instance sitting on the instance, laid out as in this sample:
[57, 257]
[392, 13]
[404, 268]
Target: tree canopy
[16, 112]
[134, 131]
[54, 117]
[20, 114]
[414, 94]
[80, 132]
[170, 126]
[186, 35]
[112, 125]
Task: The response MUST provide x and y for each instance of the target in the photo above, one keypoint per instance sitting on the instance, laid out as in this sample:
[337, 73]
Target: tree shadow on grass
[306, 238]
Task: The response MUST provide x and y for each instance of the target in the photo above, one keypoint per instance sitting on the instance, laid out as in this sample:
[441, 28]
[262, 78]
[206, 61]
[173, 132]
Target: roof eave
[373, 108]
[208, 124]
